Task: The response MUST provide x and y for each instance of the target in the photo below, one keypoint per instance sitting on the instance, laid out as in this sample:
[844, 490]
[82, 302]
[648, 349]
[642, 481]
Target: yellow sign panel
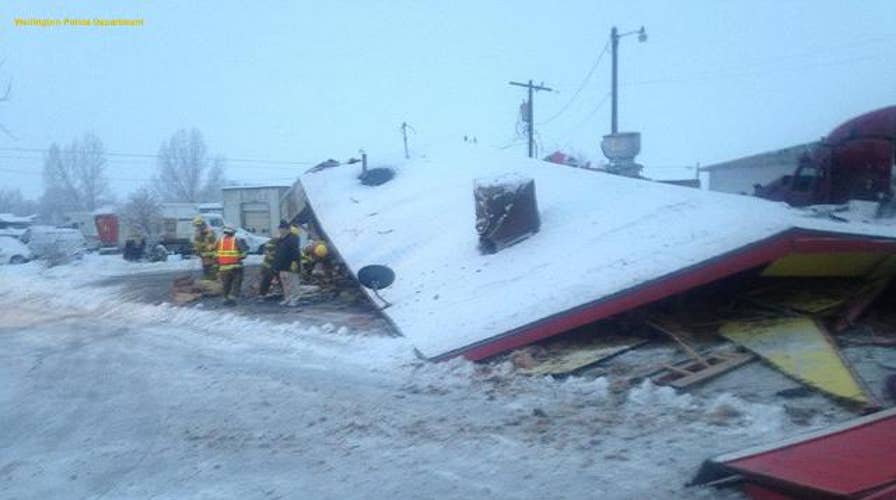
[800, 349]
[825, 264]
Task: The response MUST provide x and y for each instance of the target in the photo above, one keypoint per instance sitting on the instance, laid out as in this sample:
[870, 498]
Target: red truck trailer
[853, 162]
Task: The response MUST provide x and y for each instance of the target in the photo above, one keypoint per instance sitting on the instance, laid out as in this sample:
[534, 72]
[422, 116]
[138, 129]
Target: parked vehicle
[44, 241]
[13, 251]
[177, 227]
[854, 162]
[14, 226]
[107, 230]
[255, 242]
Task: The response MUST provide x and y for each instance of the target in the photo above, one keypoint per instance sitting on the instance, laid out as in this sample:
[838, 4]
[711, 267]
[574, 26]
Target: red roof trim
[756, 254]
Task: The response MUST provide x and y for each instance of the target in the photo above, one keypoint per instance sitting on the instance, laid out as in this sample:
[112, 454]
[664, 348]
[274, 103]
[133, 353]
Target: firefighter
[286, 257]
[316, 260]
[230, 254]
[204, 245]
[268, 276]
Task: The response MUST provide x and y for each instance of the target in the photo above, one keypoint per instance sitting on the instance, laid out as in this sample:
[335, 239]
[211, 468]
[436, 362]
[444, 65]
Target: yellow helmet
[320, 250]
[198, 221]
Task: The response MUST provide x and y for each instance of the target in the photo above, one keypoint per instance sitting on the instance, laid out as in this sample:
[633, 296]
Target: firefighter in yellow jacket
[230, 254]
[316, 261]
[268, 276]
[204, 245]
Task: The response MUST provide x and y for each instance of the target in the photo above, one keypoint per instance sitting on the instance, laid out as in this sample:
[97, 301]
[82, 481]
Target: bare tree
[89, 164]
[143, 212]
[185, 172]
[74, 177]
[214, 181]
[12, 201]
[4, 96]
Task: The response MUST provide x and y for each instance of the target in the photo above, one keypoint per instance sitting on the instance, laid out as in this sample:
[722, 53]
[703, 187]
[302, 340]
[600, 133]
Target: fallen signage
[800, 348]
[856, 459]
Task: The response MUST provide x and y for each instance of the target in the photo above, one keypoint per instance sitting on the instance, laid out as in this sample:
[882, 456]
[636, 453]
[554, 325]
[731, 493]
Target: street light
[614, 38]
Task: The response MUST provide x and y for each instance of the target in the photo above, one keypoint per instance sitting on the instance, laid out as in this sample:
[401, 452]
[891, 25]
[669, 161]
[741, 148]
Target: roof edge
[752, 255]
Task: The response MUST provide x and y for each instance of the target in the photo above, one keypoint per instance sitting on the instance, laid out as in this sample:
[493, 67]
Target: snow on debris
[601, 234]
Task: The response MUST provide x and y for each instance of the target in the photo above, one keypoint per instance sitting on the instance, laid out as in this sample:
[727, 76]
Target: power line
[590, 115]
[35, 173]
[581, 86]
[156, 156]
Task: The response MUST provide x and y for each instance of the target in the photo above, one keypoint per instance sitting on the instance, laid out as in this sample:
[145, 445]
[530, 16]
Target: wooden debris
[861, 302]
[185, 289]
[569, 357]
[672, 329]
[688, 373]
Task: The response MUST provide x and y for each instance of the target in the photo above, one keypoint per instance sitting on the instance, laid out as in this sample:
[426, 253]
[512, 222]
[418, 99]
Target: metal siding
[740, 180]
[234, 198]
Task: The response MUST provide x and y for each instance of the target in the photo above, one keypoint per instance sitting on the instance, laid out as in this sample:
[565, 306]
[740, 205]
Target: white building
[740, 175]
[254, 208]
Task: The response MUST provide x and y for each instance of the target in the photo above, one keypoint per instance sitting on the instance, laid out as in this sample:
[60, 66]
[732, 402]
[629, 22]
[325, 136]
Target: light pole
[614, 39]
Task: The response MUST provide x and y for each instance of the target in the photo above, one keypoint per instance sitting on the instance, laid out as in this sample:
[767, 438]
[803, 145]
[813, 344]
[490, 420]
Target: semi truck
[853, 162]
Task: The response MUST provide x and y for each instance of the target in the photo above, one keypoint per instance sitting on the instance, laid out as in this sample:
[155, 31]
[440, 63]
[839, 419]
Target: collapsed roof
[607, 244]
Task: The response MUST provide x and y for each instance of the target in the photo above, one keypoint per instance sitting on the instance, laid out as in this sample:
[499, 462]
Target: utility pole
[530, 114]
[404, 135]
[614, 37]
[614, 86]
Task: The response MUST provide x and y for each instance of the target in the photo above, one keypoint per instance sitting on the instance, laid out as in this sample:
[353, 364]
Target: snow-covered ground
[103, 397]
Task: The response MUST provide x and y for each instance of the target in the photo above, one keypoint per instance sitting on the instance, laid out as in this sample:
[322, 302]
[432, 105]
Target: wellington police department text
[76, 22]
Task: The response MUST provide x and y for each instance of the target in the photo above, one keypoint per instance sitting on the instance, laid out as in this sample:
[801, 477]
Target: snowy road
[104, 398]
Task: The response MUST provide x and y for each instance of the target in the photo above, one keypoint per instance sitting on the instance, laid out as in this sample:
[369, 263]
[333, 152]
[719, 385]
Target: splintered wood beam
[691, 352]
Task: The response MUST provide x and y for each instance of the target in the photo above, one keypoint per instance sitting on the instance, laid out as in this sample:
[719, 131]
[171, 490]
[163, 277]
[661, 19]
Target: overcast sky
[304, 81]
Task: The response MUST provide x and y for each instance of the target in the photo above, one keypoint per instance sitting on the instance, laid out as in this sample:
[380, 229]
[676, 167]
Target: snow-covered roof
[602, 238]
[258, 186]
[10, 218]
[789, 155]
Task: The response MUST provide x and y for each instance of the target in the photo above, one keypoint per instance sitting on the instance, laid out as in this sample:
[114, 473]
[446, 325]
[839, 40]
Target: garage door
[256, 218]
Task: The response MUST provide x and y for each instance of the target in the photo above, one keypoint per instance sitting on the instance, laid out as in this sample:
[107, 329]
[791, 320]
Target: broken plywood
[801, 349]
[566, 358]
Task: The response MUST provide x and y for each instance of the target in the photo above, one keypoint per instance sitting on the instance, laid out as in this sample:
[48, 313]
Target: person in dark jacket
[286, 262]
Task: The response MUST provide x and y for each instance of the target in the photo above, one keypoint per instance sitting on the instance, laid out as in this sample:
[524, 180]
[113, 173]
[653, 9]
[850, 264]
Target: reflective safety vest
[229, 255]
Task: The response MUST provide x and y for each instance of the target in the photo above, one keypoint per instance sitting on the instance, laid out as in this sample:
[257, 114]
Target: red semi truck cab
[854, 162]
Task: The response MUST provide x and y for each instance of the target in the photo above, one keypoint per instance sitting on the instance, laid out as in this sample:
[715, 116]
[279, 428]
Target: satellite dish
[376, 277]
[376, 176]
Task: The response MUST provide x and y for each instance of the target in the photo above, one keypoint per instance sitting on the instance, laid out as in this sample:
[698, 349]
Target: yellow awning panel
[799, 348]
[825, 264]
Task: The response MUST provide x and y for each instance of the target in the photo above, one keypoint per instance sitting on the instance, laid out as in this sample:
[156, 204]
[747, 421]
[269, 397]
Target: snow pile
[69, 290]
